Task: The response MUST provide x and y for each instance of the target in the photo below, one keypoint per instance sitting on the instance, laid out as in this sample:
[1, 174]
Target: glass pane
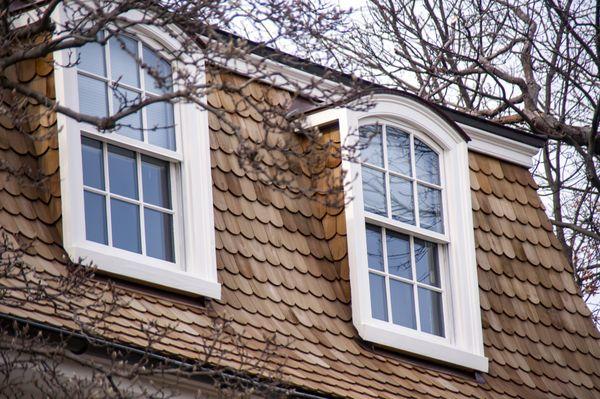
[93, 99]
[402, 200]
[161, 129]
[161, 68]
[131, 125]
[431, 313]
[123, 64]
[370, 144]
[374, 247]
[125, 219]
[426, 262]
[155, 182]
[95, 217]
[122, 172]
[91, 58]
[398, 150]
[403, 304]
[378, 297]
[373, 183]
[426, 162]
[398, 254]
[93, 163]
[159, 234]
[430, 208]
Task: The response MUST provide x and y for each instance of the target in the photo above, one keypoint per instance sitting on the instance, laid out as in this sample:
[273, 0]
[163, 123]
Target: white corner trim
[500, 147]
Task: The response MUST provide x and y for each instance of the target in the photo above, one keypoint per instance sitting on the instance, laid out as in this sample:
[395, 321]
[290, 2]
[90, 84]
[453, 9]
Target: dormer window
[137, 201]
[409, 228]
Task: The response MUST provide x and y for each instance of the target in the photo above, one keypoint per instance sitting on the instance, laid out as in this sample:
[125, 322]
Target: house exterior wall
[283, 266]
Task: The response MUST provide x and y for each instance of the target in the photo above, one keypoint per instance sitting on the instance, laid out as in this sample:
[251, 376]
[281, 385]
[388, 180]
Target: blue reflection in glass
[156, 182]
[398, 150]
[159, 234]
[401, 192]
[370, 144]
[161, 125]
[426, 262]
[122, 172]
[93, 98]
[373, 183]
[93, 163]
[398, 254]
[430, 208]
[431, 312]
[95, 217]
[123, 55]
[131, 125]
[91, 57]
[125, 220]
[378, 297]
[374, 247]
[403, 304]
[427, 163]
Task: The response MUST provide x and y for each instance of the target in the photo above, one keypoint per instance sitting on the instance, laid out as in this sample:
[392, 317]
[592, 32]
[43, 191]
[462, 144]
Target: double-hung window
[137, 200]
[411, 247]
[130, 190]
[402, 196]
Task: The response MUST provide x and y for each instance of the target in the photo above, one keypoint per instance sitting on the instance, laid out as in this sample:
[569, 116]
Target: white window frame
[194, 271]
[462, 345]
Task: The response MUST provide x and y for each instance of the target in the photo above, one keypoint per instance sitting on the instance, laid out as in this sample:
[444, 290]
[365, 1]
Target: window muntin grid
[109, 77]
[401, 177]
[402, 181]
[128, 200]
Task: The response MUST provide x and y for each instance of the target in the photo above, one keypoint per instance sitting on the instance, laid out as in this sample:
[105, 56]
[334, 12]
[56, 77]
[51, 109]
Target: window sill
[421, 345]
[143, 269]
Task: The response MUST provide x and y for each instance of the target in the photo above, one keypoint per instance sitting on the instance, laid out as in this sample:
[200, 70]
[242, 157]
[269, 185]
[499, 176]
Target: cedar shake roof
[284, 270]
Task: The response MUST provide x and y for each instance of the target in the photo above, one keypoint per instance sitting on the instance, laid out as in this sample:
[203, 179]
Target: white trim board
[500, 147]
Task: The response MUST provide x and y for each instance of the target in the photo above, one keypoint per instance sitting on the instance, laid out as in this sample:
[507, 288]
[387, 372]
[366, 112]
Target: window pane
[398, 254]
[378, 297]
[398, 150]
[403, 304]
[402, 200]
[161, 67]
[374, 191]
[430, 208]
[95, 217]
[370, 144]
[426, 262]
[426, 162]
[122, 172]
[159, 234]
[161, 130]
[155, 182]
[125, 219]
[93, 99]
[431, 314]
[93, 163]
[374, 248]
[91, 58]
[123, 55]
[131, 125]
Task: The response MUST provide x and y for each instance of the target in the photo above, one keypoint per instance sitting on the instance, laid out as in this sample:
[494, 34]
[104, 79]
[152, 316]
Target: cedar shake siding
[283, 265]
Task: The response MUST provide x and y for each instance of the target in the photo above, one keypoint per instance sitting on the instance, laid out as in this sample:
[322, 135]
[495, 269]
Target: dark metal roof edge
[347, 79]
[293, 392]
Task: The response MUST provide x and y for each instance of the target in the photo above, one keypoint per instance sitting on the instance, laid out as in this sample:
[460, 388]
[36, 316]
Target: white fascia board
[500, 147]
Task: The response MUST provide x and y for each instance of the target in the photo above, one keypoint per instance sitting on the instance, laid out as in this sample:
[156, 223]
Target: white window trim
[464, 345]
[195, 270]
